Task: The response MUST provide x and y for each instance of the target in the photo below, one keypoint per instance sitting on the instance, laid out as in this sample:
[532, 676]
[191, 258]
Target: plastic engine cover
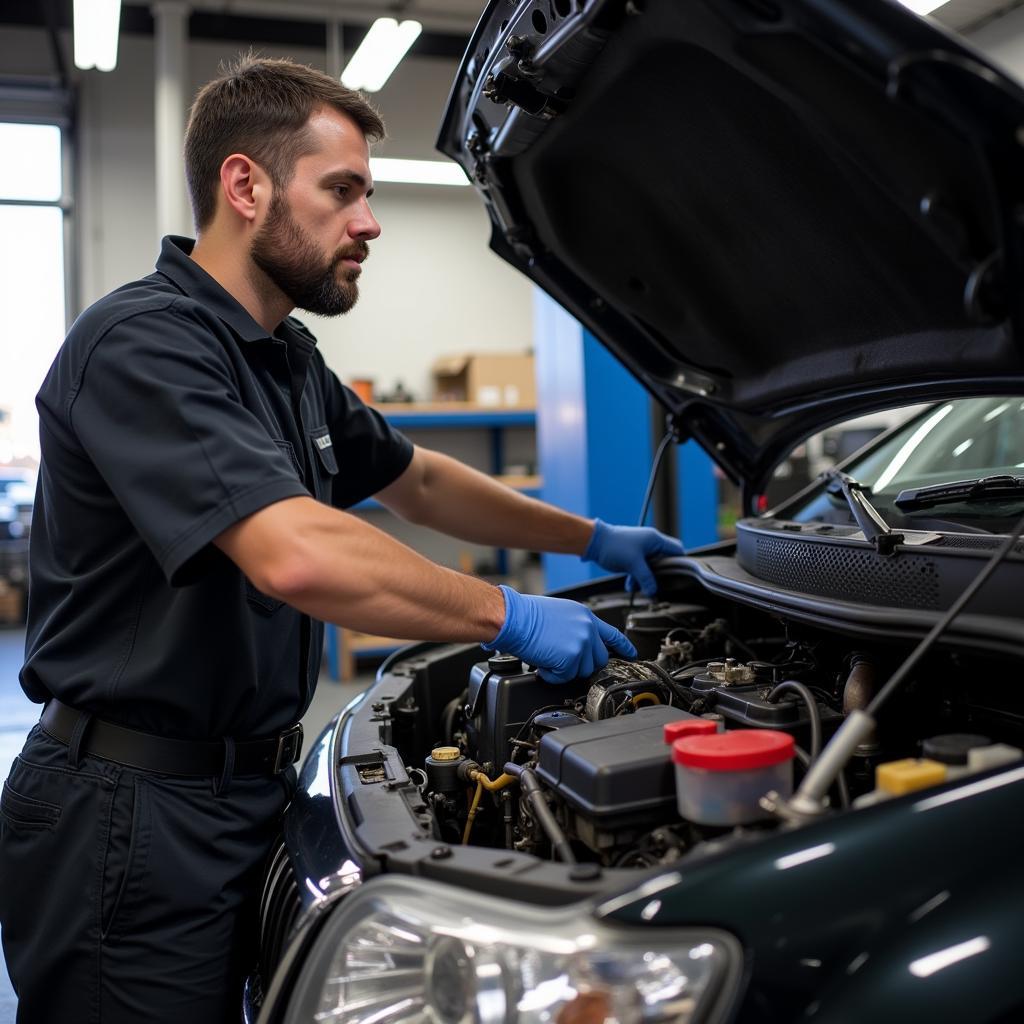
[613, 769]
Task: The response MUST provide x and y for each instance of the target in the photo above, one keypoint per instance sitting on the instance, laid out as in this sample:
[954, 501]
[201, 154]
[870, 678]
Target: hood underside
[777, 213]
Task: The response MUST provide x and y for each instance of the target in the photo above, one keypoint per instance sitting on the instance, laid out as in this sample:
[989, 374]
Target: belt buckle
[289, 747]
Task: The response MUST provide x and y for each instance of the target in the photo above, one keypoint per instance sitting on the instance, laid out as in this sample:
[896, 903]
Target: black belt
[172, 757]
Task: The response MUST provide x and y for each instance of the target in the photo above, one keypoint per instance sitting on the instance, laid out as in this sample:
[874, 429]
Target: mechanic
[189, 537]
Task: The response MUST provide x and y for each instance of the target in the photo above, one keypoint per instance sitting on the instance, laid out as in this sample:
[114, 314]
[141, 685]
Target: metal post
[171, 43]
[335, 49]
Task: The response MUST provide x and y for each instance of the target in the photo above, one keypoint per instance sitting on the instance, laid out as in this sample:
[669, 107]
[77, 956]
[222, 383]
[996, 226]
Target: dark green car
[803, 800]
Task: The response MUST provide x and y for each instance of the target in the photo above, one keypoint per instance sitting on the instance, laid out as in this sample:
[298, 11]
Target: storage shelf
[342, 645]
[454, 415]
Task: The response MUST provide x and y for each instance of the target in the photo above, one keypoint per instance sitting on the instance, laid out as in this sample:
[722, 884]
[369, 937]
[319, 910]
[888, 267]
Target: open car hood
[777, 213]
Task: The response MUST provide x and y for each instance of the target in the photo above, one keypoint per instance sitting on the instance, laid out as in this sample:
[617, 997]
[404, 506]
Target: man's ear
[245, 186]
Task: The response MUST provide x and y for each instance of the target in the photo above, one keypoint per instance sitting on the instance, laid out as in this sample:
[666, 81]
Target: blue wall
[593, 431]
[594, 440]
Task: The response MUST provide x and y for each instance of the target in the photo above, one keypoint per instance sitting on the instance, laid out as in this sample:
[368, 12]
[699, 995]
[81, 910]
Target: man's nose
[364, 227]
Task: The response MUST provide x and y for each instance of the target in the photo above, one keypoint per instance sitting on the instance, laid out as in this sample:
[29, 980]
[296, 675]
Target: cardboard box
[11, 603]
[493, 379]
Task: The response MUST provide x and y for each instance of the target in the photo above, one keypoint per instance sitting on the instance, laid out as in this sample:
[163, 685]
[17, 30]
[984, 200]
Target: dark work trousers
[130, 896]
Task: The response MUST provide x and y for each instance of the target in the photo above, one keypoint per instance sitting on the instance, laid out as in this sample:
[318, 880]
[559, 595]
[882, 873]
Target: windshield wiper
[983, 488]
[875, 529]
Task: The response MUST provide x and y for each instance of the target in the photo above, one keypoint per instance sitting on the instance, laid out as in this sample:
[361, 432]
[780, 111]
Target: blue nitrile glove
[562, 639]
[627, 549]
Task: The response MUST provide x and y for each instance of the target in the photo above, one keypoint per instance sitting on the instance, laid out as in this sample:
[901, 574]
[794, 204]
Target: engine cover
[614, 771]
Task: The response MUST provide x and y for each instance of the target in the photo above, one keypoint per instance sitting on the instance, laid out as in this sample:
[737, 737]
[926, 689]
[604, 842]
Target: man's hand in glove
[628, 549]
[562, 639]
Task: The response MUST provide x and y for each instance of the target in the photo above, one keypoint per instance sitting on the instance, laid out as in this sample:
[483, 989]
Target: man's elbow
[289, 577]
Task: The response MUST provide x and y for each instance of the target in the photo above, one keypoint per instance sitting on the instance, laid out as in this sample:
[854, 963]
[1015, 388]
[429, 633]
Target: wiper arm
[876, 530]
[983, 488]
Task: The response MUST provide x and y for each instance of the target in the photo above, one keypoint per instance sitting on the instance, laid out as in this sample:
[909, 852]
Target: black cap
[952, 748]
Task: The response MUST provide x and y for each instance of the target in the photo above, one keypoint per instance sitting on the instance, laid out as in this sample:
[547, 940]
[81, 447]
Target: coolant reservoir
[673, 731]
[721, 777]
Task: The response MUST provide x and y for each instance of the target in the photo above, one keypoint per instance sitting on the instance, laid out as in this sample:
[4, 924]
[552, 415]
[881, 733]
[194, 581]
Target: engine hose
[492, 785]
[451, 709]
[535, 795]
[792, 686]
[482, 783]
[627, 684]
[844, 793]
[645, 698]
[666, 678]
[472, 812]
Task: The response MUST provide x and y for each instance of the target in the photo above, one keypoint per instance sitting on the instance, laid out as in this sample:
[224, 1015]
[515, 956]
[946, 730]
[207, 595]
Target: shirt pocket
[325, 462]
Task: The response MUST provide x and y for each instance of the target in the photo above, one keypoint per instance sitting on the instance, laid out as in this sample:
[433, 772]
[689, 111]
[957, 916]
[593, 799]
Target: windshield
[959, 440]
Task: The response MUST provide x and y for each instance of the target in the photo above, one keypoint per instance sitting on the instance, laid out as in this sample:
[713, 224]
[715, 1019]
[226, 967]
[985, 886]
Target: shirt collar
[176, 264]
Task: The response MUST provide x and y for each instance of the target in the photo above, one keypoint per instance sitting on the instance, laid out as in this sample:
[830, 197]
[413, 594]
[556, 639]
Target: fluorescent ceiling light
[417, 172]
[378, 54]
[923, 6]
[96, 24]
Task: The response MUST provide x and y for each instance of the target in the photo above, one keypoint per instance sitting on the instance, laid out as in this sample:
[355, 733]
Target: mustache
[360, 251]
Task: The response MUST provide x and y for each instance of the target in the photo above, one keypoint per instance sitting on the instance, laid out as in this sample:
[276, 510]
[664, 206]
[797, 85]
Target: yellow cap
[445, 753]
[912, 773]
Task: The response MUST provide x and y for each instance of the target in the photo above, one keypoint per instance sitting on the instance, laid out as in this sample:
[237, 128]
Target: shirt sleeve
[157, 409]
[371, 454]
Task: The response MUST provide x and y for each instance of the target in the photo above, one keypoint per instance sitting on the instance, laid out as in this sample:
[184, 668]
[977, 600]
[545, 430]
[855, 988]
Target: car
[17, 490]
[802, 800]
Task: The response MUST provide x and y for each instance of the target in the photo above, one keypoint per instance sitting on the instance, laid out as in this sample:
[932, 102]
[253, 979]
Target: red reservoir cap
[688, 727]
[736, 751]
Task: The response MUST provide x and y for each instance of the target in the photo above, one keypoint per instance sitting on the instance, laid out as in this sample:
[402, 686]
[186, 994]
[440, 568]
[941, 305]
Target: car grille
[834, 570]
[976, 542]
[279, 909]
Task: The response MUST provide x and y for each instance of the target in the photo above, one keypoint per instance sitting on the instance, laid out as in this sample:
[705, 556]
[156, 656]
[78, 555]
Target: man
[188, 539]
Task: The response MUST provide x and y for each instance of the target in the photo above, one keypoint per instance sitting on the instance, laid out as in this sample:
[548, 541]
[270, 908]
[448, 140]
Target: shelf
[343, 646]
[454, 415]
[528, 485]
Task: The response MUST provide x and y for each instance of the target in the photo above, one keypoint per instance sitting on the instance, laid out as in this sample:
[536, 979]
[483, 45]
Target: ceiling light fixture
[417, 172]
[379, 53]
[923, 6]
[96, 25]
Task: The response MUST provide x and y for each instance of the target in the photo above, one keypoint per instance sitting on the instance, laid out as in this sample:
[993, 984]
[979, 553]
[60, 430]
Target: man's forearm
[462, 502]
[340, 569]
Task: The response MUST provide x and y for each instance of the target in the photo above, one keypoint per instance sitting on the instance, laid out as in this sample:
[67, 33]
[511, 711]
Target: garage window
[33, 243]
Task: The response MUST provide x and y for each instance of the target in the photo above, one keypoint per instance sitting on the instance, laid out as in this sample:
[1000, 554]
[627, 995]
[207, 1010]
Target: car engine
[582, 771]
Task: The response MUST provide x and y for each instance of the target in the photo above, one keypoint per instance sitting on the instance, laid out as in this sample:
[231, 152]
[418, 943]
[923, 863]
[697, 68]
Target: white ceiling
[436, 15]
[963, 15]
[461, 15]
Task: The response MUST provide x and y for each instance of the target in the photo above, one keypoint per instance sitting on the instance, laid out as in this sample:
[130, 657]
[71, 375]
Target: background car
[801, 801]
[17, 493]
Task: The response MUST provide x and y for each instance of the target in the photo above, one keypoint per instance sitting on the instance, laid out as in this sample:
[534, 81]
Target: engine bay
[488, 757]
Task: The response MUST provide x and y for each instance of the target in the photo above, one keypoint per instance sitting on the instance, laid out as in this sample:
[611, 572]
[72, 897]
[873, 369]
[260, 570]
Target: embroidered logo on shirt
[323, 442]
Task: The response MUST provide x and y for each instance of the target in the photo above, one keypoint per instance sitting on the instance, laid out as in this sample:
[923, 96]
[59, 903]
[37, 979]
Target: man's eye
[341, 191]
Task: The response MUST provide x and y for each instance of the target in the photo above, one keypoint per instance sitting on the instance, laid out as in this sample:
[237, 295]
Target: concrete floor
[18, 714]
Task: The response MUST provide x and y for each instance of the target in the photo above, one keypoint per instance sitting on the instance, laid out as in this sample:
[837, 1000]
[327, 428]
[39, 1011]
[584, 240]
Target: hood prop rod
[876, 530]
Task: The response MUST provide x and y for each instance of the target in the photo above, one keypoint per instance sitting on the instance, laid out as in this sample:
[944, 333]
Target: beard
[294, 263]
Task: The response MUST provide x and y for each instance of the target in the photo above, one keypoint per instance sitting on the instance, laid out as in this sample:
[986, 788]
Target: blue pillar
[593, 431]
[594, 441]
[697, 496]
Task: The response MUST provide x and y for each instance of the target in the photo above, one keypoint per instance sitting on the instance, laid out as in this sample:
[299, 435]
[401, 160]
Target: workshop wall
[431, 285]
[1002, 40]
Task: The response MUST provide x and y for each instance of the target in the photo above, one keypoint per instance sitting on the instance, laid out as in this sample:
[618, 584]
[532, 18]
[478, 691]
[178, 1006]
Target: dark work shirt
[168, 415]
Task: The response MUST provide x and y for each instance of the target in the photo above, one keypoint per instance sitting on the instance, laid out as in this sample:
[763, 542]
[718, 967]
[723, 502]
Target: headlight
[404, 951]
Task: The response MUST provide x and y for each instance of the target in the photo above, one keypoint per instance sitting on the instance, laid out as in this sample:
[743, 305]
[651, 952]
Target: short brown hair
[259, 106]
